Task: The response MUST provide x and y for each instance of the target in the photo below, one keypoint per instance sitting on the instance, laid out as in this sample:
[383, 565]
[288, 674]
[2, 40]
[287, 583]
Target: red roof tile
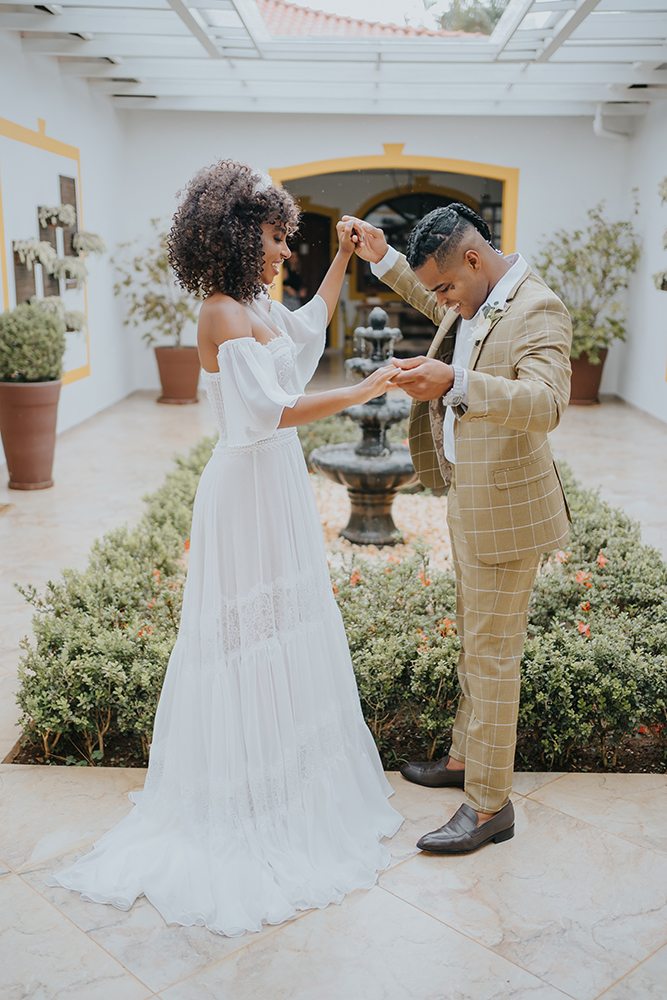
[282, 18]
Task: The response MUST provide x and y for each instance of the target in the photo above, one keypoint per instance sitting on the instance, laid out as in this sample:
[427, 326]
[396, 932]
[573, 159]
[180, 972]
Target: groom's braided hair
[215, 242]
[440, 233]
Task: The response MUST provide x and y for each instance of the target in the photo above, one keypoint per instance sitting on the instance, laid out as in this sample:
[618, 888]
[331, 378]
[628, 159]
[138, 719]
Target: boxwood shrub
[594, 667]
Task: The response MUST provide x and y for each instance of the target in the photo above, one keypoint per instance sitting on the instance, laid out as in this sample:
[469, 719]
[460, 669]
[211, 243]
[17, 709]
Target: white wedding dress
[265, 793]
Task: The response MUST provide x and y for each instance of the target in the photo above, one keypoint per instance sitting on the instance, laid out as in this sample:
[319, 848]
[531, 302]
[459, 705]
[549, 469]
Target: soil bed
[643, 754]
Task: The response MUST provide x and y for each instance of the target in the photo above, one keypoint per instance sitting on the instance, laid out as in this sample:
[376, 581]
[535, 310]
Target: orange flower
[424, 580]
[335, 590]
[186, 545]
[355, 578]
[586, 606]
[156, 574]
[601, 560]
[405, 440]
[562, 557]
[584, 629]
[448, 627]
[584, 578]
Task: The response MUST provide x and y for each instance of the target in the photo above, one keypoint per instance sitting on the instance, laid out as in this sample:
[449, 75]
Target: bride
[265, 794]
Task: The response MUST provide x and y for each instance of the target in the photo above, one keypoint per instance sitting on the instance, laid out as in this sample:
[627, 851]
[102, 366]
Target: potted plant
[587, 269]
[154, 298]
[32, 345]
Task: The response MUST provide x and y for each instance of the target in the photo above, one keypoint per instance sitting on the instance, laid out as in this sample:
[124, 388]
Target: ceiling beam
[509, 23]
[252, 20]
[363, 105]
[361, 73]
[565, 27]
[194, 24]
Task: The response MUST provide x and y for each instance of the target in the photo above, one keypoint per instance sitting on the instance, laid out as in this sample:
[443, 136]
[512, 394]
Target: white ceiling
[545, 57]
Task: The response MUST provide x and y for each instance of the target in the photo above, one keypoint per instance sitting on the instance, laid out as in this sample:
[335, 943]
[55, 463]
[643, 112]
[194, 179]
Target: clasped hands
[422, 378]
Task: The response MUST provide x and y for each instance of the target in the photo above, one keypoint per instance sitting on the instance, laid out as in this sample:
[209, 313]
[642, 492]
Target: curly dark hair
[441, 232]
[215, 242]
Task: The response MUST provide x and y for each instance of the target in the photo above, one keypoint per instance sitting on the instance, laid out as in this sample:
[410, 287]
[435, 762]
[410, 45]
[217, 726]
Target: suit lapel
[443, 330]
[477, 347]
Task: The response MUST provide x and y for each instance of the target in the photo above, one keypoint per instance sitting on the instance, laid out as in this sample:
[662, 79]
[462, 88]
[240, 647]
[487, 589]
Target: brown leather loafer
[433, 773]
[462, 834]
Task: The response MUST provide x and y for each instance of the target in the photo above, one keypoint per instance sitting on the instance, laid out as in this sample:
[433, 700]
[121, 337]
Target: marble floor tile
[371, 947]
[50, 810]
[43, 956]
[647, 982]
[526, 782]
[155, 952]
[633, 806]
[573, 905]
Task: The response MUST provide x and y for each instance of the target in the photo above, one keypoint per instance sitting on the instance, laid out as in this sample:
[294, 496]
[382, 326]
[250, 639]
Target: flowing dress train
[265, 794]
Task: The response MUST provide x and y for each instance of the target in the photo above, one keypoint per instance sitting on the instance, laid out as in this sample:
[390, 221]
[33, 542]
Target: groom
[495, 381]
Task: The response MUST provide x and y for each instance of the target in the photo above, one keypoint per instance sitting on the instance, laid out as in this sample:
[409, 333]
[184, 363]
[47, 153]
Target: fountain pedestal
[373, 470]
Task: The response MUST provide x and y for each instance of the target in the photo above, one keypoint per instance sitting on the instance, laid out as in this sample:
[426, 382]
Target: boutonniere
[491, 313]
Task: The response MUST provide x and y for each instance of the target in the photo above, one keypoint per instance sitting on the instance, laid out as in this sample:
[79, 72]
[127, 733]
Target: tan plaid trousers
[491, 611]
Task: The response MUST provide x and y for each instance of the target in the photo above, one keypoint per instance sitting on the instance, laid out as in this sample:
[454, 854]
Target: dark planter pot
[586, 380]
[28, 413]
[179, 374]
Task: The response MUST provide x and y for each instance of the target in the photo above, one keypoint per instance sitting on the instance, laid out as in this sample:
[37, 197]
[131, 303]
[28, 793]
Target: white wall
[31, 87]
[134, 162]
[641, 368]
[564, 168]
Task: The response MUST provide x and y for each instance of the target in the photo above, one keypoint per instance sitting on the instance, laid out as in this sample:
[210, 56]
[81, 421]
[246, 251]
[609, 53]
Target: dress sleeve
[252, 396]
[307, 327]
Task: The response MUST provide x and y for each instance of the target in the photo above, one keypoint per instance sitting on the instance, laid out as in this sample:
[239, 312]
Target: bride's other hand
[375, 384]
[346, 236]
[370, 242]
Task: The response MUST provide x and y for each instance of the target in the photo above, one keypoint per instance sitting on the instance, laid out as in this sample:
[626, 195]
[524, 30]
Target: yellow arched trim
[419, 184]
[394, 158]
[39, 139]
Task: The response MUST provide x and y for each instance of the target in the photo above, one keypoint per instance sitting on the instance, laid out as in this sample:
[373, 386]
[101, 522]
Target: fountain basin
[372, 483]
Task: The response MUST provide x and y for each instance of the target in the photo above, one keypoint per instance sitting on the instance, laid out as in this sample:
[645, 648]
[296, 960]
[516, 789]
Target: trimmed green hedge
[594, 667]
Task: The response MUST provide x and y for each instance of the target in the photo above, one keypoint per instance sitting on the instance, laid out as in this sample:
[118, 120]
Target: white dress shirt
[465, 338]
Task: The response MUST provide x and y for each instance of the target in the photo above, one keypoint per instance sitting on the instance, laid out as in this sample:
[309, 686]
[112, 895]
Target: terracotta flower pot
[586, 380]
[179, 374]
[28, 413]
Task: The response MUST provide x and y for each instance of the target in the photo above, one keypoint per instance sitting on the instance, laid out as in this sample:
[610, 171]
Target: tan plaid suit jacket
[510, 495]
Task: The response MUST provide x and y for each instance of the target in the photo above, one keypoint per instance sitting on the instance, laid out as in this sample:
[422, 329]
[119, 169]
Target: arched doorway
[392, 190]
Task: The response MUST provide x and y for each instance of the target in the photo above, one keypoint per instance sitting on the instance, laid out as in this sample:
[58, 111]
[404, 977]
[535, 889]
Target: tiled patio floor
[575, 906]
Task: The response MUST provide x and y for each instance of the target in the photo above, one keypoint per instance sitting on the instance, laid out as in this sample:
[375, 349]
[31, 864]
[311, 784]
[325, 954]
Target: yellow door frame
[40, 140]
[393, 158]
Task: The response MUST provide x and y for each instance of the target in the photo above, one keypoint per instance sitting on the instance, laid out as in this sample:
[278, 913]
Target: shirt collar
[497, 297]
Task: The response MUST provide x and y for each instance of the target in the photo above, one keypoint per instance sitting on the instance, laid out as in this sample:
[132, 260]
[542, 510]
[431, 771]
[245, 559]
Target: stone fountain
[372, 470]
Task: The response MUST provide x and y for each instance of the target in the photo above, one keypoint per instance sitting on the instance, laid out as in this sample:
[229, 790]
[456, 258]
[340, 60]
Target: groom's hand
[370, 242]
[423, 378]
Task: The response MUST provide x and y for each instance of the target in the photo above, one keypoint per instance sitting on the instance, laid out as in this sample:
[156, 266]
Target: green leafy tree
[473, 15]
[587, 269]
[150, 290]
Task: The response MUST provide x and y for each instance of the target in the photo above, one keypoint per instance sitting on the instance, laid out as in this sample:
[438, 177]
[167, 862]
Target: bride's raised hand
[375, 384]
[346, 232]
[370, 242]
